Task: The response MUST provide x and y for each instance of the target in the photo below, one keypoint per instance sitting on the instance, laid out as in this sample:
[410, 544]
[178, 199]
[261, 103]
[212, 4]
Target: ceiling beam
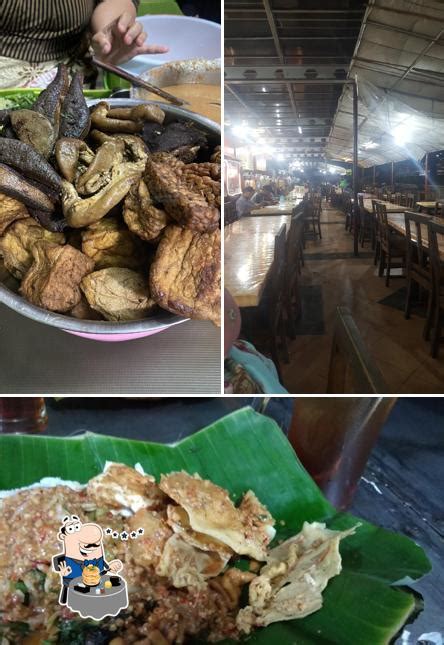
[274, 81]
[285, 72]
[279, 52]
[303, 122]
[268, 57]
[322, 12]
[243, 38]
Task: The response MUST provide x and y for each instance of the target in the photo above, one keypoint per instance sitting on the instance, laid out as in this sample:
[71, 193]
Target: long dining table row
[249, 250]
[249, 253]
[395, 233]
[396, 219]
[397, 222]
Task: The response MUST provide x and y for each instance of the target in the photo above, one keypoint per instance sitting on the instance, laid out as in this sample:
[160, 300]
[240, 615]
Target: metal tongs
[138, 82]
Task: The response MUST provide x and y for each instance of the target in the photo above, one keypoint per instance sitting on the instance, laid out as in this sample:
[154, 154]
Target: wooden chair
[265, 324]
[377, 234]
[350, 360]
[418, 269]
[348, 211]
[436, 229]
[392, 244]
[298, 215]
[230, 214]
[366, 228]
[312, 216]
[410, 201]
[293, 305]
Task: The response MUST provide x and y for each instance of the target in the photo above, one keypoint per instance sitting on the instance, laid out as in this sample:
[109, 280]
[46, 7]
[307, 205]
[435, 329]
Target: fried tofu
[125, 489]
[185, 274]
[11, 210]
[18, 241]
[186, 566]
[110, 244]
[290, 585]
[147, 549]
[141, 215]
[211, 512]
[53, 281]
[118, 293]
[180, 523]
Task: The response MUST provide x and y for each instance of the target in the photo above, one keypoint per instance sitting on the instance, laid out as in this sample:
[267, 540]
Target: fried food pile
[180, 542]
[109, 213]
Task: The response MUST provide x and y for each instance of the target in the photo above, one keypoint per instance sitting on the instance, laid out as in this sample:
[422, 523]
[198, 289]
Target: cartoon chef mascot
[82, 546]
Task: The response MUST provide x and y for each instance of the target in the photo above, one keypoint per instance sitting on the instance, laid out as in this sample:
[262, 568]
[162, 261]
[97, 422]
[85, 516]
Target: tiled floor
[396, 344]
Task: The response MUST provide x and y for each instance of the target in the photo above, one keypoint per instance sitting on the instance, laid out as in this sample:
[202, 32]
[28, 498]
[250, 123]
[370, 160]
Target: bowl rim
[162, 318]
[169, 17]
[155, 70]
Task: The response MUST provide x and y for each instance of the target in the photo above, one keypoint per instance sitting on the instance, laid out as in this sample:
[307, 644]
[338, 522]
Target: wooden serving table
[397, 222]
[249, 253]
[286, 208]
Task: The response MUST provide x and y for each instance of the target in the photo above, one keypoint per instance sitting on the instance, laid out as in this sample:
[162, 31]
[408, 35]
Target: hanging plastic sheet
[398, 64]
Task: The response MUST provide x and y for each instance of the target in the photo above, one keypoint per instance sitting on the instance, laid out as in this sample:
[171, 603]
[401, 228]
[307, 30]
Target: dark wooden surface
[402, 488]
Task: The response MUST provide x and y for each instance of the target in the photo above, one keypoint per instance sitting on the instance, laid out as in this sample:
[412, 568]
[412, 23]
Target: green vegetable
[362, 606]
[16, 628]
[40, 577]
[17, 101]
[73, 632]
[20, 586]
[22, 98]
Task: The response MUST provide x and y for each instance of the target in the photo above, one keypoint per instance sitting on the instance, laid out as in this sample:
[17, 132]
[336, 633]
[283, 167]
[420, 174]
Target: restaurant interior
[334, 116]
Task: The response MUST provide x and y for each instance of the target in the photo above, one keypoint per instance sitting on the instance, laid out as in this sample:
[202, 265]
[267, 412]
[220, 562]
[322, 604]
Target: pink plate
[117, 338]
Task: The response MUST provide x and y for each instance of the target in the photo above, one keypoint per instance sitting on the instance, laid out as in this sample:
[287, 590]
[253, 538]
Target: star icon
[115, 535]
[140, 531]
[108, 531]
[133, 535]
[124, 535]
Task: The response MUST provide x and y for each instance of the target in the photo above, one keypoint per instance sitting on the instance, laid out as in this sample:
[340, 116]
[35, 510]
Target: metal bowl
[104, 330]
[180, 72]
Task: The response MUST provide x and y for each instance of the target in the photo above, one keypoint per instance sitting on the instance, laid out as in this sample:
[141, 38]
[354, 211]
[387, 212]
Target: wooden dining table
[283, 208]
[249, 253]
[396, 221]
[391, 208]
[426, 206]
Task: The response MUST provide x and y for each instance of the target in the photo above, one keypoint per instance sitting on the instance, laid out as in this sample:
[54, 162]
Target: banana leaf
[367, 604]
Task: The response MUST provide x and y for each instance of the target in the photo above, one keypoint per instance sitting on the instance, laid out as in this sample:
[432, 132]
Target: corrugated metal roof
[271, 48]
[399, 65]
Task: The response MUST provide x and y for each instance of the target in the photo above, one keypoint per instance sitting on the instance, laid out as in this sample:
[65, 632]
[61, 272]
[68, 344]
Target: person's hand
[64, 570]
[115, 566]
[123, 39]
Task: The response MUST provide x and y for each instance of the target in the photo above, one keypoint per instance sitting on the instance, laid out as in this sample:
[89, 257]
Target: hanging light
[402, 134]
